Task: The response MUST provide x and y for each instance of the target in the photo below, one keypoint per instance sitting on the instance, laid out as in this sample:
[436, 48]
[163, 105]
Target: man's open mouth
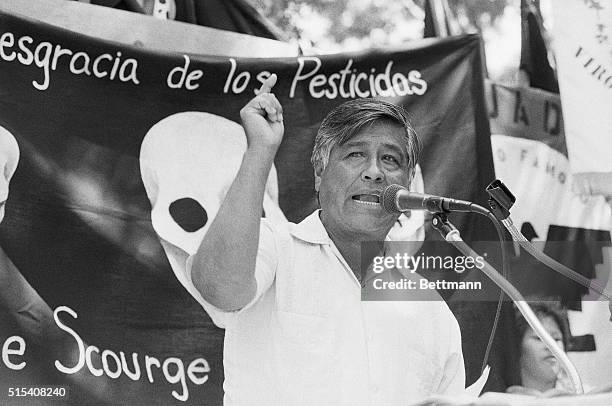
[367, 198]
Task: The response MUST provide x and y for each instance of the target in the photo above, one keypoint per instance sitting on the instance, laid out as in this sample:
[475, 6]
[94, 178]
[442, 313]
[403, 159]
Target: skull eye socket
[188, 214]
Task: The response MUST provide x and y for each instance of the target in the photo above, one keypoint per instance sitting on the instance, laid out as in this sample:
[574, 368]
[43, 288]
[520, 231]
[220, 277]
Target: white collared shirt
[307, 338]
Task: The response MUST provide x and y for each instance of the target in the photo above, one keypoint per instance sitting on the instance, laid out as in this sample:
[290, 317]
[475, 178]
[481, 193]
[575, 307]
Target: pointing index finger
[268, 84]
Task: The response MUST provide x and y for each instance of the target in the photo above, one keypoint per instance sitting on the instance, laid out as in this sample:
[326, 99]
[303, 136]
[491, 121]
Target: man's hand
[262, 118]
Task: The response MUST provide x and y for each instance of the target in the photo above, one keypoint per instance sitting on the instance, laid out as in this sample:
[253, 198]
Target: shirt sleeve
[265, 271]
[453, 380]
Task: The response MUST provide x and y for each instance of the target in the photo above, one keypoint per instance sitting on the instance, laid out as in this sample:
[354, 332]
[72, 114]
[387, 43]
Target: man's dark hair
[347, 119]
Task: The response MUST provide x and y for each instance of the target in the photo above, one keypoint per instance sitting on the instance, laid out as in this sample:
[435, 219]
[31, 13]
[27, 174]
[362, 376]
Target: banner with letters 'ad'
[530, 156]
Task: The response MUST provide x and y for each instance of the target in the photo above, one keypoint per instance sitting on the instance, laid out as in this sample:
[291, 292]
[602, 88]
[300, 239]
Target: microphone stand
[501, 201]
[551, 263]
[450, 233]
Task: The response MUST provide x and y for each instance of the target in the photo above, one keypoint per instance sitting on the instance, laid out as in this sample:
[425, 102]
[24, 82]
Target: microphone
[398, 199]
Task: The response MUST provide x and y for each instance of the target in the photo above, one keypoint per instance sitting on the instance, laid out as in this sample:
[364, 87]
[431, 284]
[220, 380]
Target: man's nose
[373, 172]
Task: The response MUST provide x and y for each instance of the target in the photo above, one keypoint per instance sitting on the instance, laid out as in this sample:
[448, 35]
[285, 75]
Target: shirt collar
[311, 230]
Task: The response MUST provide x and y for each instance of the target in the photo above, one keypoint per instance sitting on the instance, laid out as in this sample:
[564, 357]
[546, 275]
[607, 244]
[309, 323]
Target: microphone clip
[441, 223]
[501, 199]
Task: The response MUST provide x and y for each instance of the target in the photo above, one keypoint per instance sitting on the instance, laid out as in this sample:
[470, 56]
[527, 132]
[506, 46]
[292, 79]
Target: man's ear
[317, 177]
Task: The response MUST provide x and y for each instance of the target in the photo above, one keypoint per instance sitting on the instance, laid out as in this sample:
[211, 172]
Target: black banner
[78, 218]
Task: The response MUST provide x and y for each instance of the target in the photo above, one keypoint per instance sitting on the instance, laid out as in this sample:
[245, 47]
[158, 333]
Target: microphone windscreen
[389, 197]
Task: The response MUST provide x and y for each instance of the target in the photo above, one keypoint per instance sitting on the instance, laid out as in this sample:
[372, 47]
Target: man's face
[354, 178]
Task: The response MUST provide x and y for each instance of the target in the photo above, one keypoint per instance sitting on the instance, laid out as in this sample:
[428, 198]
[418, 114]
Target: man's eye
[355, 154]
[391, 158]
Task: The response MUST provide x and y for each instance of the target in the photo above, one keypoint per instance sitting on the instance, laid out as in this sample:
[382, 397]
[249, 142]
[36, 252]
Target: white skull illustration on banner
[188, 162]
[9, 157]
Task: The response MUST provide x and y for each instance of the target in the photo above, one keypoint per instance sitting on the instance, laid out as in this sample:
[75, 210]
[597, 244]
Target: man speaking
[289, 295]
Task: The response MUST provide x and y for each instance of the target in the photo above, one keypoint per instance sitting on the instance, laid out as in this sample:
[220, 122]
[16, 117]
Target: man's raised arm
[223, 269]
